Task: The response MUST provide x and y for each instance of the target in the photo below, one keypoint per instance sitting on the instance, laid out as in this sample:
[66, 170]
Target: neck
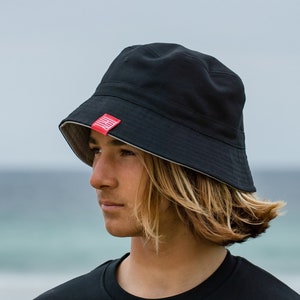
[181, 263]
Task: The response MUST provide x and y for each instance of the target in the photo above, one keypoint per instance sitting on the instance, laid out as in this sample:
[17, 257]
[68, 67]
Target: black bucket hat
[173, 102]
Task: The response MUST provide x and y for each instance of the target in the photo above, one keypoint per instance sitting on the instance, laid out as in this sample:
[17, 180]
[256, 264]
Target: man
[164, 135]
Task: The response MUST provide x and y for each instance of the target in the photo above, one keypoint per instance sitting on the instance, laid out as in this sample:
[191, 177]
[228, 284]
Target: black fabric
[178, 104]
[235, 279]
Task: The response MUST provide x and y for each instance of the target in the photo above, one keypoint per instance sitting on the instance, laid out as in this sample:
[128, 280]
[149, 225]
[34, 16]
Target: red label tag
[105, 123]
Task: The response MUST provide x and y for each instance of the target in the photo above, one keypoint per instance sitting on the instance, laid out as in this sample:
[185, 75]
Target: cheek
[133, 185]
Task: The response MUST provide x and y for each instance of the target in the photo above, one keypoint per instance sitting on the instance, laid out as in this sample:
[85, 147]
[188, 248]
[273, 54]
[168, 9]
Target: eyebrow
[113, 142]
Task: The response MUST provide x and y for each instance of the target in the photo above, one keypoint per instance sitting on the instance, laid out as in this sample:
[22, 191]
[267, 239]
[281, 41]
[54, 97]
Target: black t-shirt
[236, 278]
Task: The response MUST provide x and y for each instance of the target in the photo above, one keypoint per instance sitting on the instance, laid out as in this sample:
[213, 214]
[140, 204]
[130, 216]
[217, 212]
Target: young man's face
[116, 176]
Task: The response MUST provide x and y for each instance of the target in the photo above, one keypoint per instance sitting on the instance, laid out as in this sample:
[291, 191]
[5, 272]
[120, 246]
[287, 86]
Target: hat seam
[153, 51]
[146, 107]
[207, 69]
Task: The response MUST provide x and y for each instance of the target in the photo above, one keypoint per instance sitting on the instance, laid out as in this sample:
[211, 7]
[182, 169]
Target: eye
[95, 150]
[126, 152]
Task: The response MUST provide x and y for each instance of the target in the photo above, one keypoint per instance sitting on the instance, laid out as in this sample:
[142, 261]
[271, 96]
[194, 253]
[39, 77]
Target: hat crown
[191, 88]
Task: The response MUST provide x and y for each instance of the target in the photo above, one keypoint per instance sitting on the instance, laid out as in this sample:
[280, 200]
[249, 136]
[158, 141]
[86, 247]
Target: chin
[123, 231]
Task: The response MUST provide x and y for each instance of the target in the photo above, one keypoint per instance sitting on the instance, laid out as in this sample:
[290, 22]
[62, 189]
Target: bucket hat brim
[160, 136]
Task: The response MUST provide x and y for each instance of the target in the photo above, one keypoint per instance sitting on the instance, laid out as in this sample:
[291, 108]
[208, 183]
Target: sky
[53, 54]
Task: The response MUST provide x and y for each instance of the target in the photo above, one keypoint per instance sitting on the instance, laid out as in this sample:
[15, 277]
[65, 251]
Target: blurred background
[53, 55]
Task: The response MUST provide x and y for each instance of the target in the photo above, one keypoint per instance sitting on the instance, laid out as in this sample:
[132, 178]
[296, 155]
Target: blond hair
[210, 209]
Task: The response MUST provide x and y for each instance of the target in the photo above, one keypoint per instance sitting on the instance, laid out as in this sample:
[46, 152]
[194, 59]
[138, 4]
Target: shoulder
[87, 286]
[252, 280]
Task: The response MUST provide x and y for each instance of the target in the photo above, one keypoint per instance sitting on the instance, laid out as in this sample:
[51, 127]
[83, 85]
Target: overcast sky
[54, 53]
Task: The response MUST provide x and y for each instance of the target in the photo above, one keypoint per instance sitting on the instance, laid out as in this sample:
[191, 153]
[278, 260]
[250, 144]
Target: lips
[109, 205]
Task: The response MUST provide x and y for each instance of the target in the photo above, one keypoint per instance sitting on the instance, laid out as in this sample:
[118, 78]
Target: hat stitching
[100, 93]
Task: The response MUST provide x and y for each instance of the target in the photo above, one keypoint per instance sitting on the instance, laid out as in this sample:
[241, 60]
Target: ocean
[51, 230]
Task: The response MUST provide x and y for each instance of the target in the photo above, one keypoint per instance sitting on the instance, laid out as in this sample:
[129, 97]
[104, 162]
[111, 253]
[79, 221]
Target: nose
[103, 174]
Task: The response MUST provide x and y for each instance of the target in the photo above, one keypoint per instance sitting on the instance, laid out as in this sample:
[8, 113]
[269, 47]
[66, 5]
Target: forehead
[98, 138]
